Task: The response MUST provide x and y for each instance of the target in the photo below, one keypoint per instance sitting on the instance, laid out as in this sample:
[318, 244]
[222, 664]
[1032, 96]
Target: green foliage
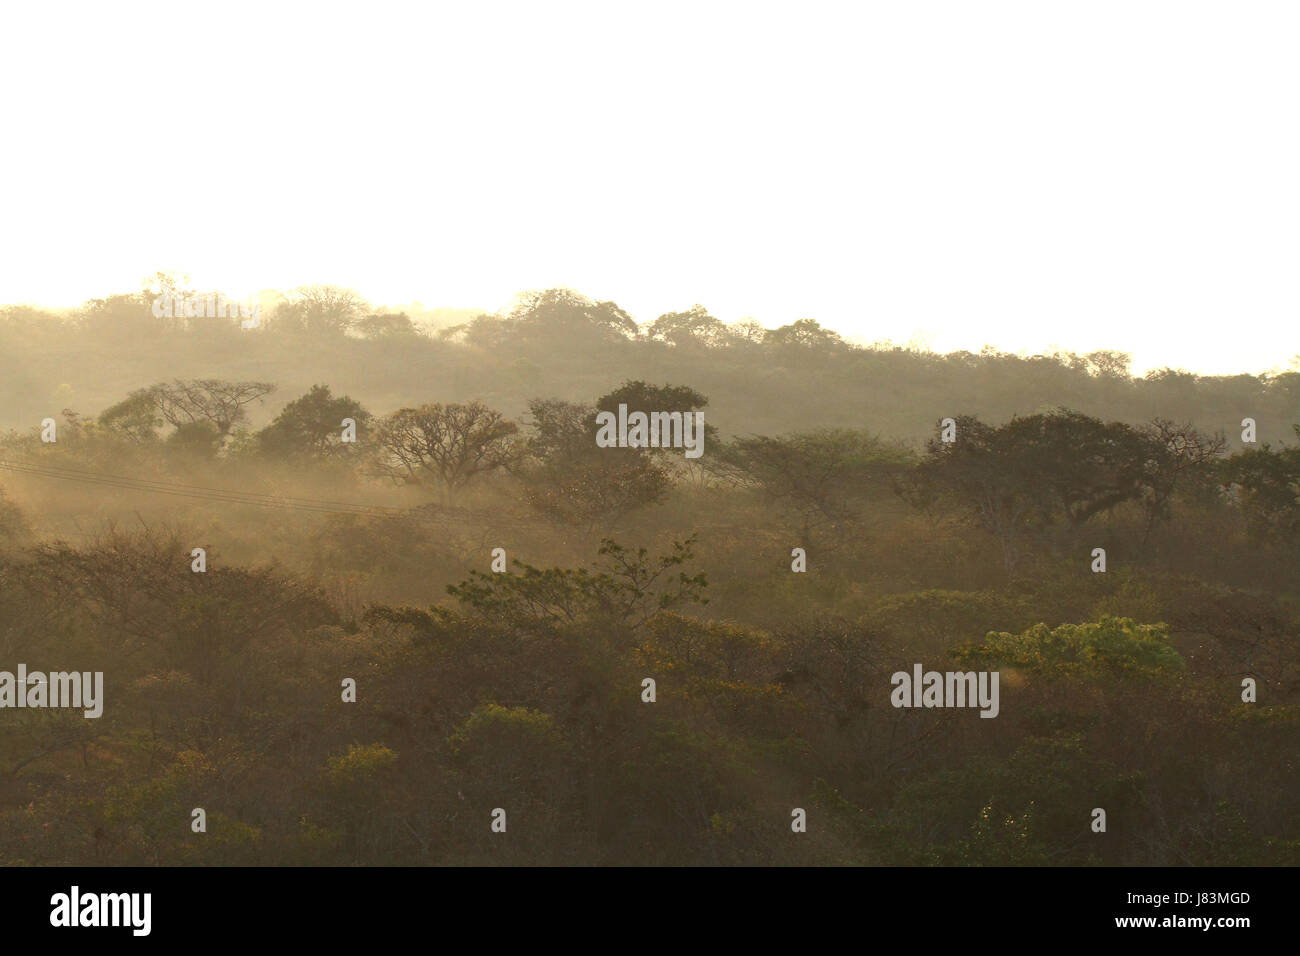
[223, 691]
[360, 764]
[490, 725]
[1109, 647]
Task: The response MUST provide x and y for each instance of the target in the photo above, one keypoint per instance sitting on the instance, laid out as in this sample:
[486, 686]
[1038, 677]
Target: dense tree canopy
[646, 660]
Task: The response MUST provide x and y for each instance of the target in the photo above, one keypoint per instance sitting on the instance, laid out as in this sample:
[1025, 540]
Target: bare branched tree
[448, 444]
[221, 404]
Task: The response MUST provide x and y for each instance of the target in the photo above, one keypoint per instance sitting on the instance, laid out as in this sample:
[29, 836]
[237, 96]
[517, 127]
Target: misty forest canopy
[1034, 486]
[424, 508]
[498, 616]
[560, 344]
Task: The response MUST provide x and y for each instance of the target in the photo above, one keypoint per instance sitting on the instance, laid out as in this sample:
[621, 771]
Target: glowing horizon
[1109, 176]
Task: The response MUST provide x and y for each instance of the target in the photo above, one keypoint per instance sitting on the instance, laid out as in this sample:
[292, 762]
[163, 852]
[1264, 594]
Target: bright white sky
[1027, 174]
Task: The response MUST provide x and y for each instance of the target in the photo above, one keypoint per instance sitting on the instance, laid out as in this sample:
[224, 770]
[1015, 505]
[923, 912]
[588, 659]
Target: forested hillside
[559, 344]
[356, 585]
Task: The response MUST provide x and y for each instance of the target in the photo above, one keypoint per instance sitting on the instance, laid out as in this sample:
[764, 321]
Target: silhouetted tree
[450, 445]
[312, 427]
[320, 309]
[221, 404]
